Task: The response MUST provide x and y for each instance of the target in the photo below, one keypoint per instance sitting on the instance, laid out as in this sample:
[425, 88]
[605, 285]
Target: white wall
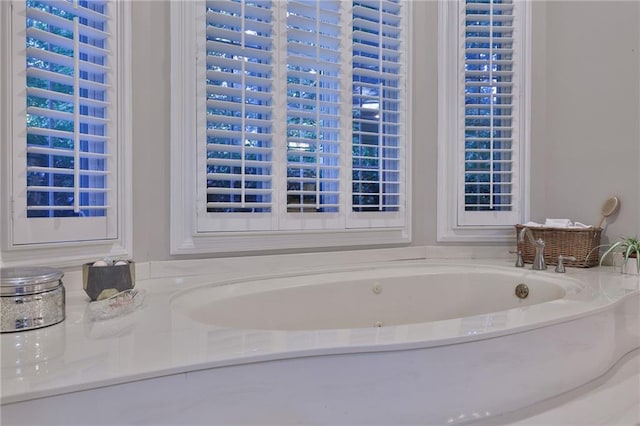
[585, 117]
[586, 89]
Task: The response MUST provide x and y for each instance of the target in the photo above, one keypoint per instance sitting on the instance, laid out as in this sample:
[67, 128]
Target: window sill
[62, 255]
[501, 234]
[252, 242]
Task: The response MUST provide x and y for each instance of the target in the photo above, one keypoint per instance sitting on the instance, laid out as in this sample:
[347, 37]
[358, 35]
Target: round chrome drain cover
[522, 291]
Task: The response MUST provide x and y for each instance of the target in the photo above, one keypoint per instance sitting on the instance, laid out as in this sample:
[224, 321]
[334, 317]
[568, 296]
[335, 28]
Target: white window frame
[185, 237]
[451, 129]
[60, 252]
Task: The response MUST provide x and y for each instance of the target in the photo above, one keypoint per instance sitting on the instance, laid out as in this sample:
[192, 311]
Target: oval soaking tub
[369, 298]
[421, 343]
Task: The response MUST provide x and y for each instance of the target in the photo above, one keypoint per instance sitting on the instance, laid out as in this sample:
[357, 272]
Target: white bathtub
[411, 344]
[405, 343]
[368, 298]
[415, 344]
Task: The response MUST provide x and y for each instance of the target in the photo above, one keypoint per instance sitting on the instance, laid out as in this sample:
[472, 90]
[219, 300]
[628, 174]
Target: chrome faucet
[538, 261]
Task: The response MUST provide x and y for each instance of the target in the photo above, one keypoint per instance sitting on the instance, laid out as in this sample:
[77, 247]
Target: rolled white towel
[580, 225]
[557, 223]
[531, 224]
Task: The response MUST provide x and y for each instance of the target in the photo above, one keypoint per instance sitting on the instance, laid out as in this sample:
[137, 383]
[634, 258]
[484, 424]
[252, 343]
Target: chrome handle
[560, 266]
[519, 260]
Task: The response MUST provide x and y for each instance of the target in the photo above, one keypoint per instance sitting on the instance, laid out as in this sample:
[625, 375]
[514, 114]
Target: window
[483, 138]
[66, 122]
[295, 121]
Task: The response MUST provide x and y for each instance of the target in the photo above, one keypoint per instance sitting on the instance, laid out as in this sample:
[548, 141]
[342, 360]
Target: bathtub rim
[581, 303]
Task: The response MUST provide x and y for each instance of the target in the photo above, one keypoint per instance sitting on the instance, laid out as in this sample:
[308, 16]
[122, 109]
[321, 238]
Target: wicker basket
[579, 243]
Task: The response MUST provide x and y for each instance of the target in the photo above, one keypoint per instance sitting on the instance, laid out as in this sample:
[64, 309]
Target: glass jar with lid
[31, 297]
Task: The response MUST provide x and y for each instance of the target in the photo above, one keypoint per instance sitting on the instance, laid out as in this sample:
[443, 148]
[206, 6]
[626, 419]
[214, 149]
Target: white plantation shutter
[313, 106]
[490, 99]
[67, 191]
[239, 107]
[377, 107]
[278, 82]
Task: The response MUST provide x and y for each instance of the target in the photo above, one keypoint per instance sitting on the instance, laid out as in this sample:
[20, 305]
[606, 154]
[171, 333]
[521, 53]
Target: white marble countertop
[155, 340]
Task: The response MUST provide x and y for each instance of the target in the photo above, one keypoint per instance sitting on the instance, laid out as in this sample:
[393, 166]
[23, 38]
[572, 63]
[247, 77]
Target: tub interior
[375, 298]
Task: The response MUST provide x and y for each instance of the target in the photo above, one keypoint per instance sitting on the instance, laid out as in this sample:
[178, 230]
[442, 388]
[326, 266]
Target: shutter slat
[375, 16]
[386, 42]
[236, 106]
[481, 128]
[238, 206]
[307, 166]
[487, 84]
[302, 22]
[296, 104]
[232, 134]
[381, 30]
[322, 206]
[219, 120]
[228, 36]
[500, 7]
[53, 170]
[213, 147]
[485, 107]
[223, 8]
[65, 79]
[472, 73]
[386, 160]
[66, 189]
[486, 29]
[238, 177]
[68, 208]
[382, 76]
[472, 17]
[328, 11]
[307, 38]
[305, 76]
[64, 42]
[261, 71]
[316, 64]
[58, 96]
[257, 25]
[237, 163]
[80, 11]
[495, 38]
[303, 192]
[56, 58]
[66, 135]
[249, 191]
[317, 128]
[298, 113]
[238, 92]
[67, 24]
[327, 92]
[388, 54]
[65, 152]
[313, 180]
[239, 51]
[61, 115]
